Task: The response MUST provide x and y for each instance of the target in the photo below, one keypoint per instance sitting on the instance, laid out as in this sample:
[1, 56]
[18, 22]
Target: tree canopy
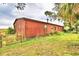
[69, 12]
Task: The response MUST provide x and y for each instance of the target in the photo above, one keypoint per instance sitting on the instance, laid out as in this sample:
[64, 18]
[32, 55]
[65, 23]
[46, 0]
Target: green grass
[61, 44]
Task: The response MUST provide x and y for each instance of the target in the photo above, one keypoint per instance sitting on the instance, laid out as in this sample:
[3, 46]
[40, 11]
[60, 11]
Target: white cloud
[48, 6]
[6, 22]
[32, 10]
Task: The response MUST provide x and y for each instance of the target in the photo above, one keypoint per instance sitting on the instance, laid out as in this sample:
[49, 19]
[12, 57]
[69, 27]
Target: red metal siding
[30, 28]
[34, 28]
[20, 28]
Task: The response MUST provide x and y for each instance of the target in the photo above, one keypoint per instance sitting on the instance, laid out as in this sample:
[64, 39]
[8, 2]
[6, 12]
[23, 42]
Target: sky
[8, 13]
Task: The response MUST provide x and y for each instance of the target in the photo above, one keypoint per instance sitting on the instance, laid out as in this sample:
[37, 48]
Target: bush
[66, 29]
[10, 31]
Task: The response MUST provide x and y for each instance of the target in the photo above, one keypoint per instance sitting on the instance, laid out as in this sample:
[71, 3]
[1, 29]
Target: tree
[66, 12]
[10, 31]
[20, 6]
[50, 15]
[56, 8]
[70, 13]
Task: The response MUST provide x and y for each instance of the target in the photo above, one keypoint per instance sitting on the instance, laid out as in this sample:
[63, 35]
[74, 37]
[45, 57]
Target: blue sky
[8, 12]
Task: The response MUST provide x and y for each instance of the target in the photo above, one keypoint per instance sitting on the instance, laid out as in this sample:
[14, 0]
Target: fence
[9, 40]
[0, 40]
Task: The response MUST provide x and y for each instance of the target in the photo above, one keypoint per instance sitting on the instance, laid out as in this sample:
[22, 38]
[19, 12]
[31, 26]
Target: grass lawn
[62, 44]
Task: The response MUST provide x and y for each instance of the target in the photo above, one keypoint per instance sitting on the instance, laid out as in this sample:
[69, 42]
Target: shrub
[10, 31]
[66, 29]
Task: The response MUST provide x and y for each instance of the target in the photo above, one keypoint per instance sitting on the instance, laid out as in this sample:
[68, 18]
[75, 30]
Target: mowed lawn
[61, 44]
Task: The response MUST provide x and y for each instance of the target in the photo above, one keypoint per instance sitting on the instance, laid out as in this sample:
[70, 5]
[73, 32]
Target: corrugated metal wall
[29, 28]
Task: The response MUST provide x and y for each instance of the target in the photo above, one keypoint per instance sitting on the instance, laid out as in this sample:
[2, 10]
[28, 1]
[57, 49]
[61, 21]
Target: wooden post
[0, 41]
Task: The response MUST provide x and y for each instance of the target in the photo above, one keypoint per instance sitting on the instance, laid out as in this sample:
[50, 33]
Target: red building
[30, 28]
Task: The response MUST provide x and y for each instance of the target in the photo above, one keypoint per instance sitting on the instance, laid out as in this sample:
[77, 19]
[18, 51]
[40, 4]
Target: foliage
[10, 30]
[20, 6]
[66, 12]
[69, 12]
[50, 15]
